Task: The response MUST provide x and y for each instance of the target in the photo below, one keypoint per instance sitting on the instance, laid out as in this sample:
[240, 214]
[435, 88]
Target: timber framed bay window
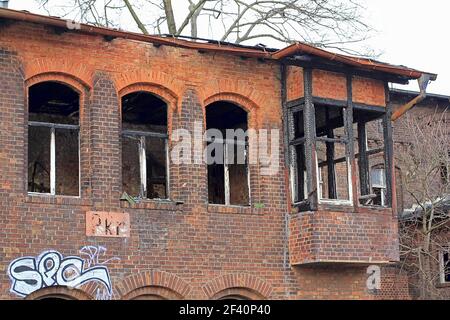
[228, 173]
[333, 146]
[53, 139]
[144, 146]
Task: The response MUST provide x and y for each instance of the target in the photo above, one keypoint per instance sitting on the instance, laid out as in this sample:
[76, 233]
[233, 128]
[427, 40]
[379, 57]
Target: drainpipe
[4, 3]
[423, 83]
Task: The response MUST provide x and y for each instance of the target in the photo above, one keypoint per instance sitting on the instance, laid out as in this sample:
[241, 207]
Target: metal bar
[145, 133]
[53, 125]
[52, 162]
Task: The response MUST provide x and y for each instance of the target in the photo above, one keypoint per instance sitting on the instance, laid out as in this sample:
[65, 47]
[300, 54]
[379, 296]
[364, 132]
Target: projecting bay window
[53, 139]
[144, 146]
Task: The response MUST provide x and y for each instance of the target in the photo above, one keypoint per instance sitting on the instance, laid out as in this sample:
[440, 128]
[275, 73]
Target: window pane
[39, 159]
[298, 173]
[238, 176]
[130, 166]
[378, 178]
[155, 149]
[67, 162]
[216, 184]
[299, 130]
[333, 171]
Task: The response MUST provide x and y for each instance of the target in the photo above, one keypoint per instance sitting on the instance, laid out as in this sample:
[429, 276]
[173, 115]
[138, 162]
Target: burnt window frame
[333, 141]
[225, 145]
[141, 136]
[312, 201]
[53, 127]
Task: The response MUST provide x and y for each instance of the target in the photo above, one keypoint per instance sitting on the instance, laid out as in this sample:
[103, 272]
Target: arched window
[144, 146]
[53, 139]
[228, 176]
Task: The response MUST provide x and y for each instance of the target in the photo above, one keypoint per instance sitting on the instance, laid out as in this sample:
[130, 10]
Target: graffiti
[50, 268]
[374, 280]
[93, 255]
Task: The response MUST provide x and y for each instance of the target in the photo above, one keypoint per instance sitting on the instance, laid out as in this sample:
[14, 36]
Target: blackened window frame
[142, 154]
[53, 127]
[306, 104]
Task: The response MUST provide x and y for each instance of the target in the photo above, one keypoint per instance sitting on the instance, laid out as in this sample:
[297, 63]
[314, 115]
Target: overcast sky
[414, 33]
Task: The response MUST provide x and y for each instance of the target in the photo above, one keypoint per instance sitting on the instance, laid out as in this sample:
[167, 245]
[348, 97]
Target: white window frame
[53, 127]
[319, 186]
[226, 170]
[379, 186]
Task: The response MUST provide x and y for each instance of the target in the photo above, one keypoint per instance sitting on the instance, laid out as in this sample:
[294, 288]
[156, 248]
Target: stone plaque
[107, 224]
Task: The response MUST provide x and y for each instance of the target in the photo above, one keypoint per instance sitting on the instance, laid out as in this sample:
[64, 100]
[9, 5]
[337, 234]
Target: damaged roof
[293, 50]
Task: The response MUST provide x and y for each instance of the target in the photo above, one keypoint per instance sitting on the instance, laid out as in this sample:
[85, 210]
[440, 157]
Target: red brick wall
[368, 236]
[189, 250]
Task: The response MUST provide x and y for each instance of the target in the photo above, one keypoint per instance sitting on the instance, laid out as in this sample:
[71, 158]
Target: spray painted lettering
[50, 268]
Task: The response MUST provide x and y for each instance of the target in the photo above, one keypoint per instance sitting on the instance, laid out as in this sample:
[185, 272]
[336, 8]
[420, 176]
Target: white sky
[408, 32]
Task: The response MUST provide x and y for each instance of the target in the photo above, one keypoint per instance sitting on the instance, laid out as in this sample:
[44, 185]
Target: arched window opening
[53, 139]
[228, 175]
[144, 146]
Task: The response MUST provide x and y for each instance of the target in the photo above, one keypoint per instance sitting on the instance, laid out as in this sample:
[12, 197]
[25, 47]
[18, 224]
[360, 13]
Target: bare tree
[424, 229]
[326, 23]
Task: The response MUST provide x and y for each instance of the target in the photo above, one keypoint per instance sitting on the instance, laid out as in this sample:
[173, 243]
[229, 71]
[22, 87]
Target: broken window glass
[332, 158]
[228, 176]
[53, 139]
[370, 157]
[144, 146]
[297, 154]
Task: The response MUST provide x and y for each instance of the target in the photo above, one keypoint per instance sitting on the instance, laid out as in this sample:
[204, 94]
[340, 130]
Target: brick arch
[245, 103]
[161, 83]
[59, 292]
[237, 284]
[67, 79]
[66, 67]
[153, 282]
[163, 93]
[225, 86]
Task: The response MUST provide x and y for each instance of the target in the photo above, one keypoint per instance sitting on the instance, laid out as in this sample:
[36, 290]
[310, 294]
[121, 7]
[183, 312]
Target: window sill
[231, 209]
[149, 204]
[57, 199]
[443, 285]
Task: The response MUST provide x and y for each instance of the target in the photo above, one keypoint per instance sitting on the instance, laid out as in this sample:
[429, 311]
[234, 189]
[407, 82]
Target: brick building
[430, 109]
[94, 208]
